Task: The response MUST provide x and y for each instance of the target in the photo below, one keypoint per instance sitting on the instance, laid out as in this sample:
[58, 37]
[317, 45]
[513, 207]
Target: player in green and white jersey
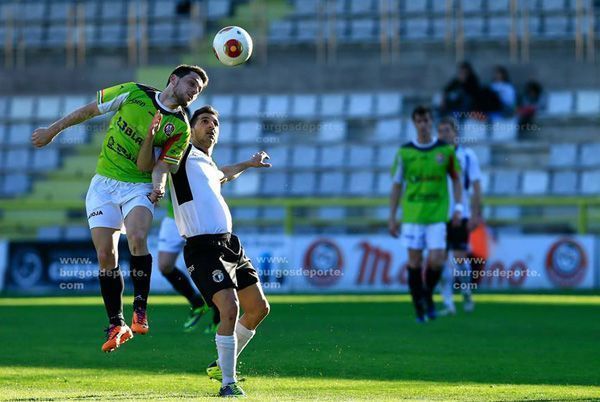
[421, 170]
[170, 245]
[121, 195]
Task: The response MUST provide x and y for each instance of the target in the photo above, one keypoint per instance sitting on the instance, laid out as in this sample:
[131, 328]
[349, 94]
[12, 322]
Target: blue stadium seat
[224, 155]
[362, 6]
[163, 9]
[245, 213]
[112, 35]
[303, 183]
[274, 183]
[360, 183]
[332, 131]
[17, 160]
[304, 156]
[307, 30]
[360, 105]
[75, 135]
[45, 159]
[590, 182]
[474, 130]
[3, 135]
[535, 182]
[552, 5]
[506, 181]
[304, 106]
[56, 35]
[78, 232]
[33, 11]
[360, 156]
[563, 155]
[306, 7]
[113, 11]
[385, 156]
[48, 107]
[415, 6]
[249, 132]
[16, 184]
[281, 31]
[485, 181]
[504, 129]
[224, 104]
[497, 5]
[277, 106]
[499, 27]
[587, 103]
[248, 186]
[363, 30]
[483, 153]
[388, 104]
[439, 28]
[556, 26]
[384, 184]
[472, 6]
[19, 134]
[564, 183]
[50, 233]
[474, 27]
[331, 213]
[333, 105]
[332, 156]
[75, 102]
[417, 28]
[21, 107]
[162, 33]
[331, 183]
[589, 154]
[249, 106]
[560, 103]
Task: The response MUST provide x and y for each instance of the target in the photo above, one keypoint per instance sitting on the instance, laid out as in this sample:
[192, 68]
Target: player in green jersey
[121, 195]
[421, 169]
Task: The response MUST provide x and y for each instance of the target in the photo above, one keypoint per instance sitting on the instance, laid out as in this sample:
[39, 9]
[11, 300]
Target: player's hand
[258, 160]
[156, 195]
[456, 218]
[42, 136]
[393, 227]
[155, 125]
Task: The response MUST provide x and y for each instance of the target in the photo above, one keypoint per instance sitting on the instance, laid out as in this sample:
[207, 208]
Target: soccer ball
[232, 46]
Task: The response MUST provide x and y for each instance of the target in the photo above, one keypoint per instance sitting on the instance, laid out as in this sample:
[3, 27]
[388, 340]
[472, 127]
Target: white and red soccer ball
[232, 46]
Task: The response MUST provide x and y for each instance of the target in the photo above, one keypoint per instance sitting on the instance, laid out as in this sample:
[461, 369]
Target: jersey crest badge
[168, 129]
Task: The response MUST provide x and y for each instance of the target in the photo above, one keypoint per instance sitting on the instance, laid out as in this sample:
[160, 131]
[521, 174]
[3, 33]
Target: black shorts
[217, 262]
[457, 237]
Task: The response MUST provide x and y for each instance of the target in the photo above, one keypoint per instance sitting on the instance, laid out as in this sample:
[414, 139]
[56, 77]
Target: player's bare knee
[137, 242]
[106, 258]
[165, 269]
[264, 308]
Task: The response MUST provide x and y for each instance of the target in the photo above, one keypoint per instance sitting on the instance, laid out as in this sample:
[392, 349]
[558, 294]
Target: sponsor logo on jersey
[169, 128]
[218, 276]
[440, 158]
[95, 213]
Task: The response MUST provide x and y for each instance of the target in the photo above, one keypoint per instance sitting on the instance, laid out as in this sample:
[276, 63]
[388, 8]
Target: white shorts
[109, 201]
[418, 236]
[169, 239]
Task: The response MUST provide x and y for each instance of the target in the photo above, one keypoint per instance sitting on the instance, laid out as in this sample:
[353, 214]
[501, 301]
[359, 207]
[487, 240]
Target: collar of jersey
[166, 109]
[416, 144]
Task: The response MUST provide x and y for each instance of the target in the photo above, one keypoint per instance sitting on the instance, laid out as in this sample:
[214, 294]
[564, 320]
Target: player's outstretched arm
[44, 135]
[232, 172]
[145, 159]
[159, 179]
[395, 196]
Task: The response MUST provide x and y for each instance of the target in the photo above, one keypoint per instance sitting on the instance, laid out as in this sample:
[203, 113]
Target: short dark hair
[204, 109]
[451, 121]
[184, 69]
[421, 111]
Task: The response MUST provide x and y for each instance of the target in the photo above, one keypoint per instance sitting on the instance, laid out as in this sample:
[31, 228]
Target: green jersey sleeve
[111, 99]
[173, 148]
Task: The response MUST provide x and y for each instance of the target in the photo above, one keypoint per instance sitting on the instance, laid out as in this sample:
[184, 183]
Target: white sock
[465, 277]
[226, 347]
[243, 336]
[446, 284]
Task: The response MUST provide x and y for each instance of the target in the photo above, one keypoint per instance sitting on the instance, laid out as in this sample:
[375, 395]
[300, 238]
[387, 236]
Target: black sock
[432, 277]
[216, 315]
[141, 270]
[111, 287]
[415, 284]
[182, 284]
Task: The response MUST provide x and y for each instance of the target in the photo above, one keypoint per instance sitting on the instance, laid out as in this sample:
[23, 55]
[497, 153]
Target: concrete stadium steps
[35, 217]
[59, 190]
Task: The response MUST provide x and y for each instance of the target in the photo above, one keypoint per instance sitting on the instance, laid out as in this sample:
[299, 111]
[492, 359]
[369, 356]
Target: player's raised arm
[232, 172]
[145, 159]
[44, 135]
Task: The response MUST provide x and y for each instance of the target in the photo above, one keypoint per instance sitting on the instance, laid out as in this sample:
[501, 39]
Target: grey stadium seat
[389, 130]
[275, 183]
[385, 156]
[19, 134]
[388, 104]
[332, 130]
[587, 102]
[249, 106]
[360, 105]
[360, 156]
[560, 103]
[333, 105]
[504, 130]
[45, 159]
[21, 107]
[224, 104]
[16, 184]
[332, 156]
[277, 106]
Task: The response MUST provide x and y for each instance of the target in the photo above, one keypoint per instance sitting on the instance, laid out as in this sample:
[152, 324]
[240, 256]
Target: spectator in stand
[461, 93]
[506, 93]
[532, 100]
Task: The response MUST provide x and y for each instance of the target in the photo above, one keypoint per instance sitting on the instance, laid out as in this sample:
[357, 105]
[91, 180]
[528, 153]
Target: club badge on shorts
[218, 276]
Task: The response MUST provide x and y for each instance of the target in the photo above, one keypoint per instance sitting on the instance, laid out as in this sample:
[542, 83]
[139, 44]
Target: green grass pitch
[513, 347]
